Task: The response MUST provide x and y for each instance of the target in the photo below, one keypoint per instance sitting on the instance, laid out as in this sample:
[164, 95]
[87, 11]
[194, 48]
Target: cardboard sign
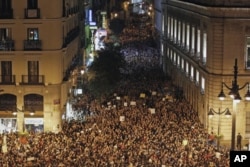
[122, 118]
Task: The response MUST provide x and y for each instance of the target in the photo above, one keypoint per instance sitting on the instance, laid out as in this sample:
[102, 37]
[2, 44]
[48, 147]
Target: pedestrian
[211, 138]
[239, 138]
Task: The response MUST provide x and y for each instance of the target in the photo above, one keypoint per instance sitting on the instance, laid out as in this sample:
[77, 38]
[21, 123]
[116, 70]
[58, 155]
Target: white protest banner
[152, 110]
[125, 104]
[122, 118]
[142, 95]
[133, 103]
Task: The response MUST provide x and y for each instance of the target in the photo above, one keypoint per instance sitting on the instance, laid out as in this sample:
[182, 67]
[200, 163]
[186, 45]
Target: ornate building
[39, 47]
[200, 42]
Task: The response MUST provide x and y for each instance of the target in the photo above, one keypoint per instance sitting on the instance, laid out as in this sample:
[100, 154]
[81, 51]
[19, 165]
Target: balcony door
[5, 5]
[33, 71]
[6, 71]
[32, 4]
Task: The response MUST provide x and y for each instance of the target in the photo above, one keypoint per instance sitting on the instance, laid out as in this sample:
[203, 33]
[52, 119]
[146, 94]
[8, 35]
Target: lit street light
[234, 94]
[211, 113]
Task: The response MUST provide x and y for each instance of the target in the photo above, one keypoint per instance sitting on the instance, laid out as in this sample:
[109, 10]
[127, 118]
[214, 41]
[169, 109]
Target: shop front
[8, 125]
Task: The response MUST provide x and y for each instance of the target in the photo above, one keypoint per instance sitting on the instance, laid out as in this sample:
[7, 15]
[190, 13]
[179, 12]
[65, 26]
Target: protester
[239, 139]
[139, 124]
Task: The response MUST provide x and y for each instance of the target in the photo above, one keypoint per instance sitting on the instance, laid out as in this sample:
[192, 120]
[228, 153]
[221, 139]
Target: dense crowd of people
[141, 124]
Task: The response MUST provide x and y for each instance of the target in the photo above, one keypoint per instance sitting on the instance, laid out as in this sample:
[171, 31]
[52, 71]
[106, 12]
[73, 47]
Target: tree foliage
[105, 72]
[117, 25]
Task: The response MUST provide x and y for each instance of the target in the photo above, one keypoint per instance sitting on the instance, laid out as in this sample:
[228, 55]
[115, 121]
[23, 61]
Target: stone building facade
[201, 40]
[39, 47]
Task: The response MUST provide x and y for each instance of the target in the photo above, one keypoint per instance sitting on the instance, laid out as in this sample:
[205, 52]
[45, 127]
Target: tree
[104, 73]
[117, 25]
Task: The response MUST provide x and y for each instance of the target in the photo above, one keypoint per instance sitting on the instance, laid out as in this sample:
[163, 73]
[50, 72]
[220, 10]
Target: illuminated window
[175, 30]
[204, 48]
[183, 33]
[192, 72]
[202, 85]
[187, 36]
[187, 68]
[198, 42]
[33, 34]
[179, 32]
[174, 58]
[197, 77]
[182, 64]
[178, 60]
[193, 38]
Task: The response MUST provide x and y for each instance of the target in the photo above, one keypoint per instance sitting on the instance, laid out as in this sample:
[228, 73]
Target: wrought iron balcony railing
[7, 79]
[6, 13]
[32, 45]
[33, 80]
[6, 45]
[32, 13]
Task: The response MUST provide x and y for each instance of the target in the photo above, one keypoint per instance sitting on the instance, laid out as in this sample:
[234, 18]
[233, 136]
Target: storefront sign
[33, 121]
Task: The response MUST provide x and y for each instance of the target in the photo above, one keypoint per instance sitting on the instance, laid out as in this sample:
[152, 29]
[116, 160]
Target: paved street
[143, 122]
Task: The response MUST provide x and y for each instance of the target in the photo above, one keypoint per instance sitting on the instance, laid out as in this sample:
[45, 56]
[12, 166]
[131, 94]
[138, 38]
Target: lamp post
[211, 113]
[19, 113]
[234, 94]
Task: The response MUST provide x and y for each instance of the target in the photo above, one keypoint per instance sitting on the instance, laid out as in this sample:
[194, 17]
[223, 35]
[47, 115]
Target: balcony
[6, 45]
[32, 80]
[6, 14]
[71, 35]
[32, 13]
[32, 45]
[7, 79]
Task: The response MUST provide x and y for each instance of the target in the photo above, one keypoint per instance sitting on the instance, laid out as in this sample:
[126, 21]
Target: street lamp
[211, 113]
[234, 94]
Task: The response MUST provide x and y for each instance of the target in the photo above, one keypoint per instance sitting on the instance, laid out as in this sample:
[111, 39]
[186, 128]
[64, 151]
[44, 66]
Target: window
[198, 41]
[172, 28]
[5, 34]
[248, 53]
[187, 36]
[33, 71]
[187, 68]
[197, 76]
[163, 25]
[178, 61]
[33, 34]
[179, 32]
[192, 73]
[182, 64]
[193, 38]
[5, 5]
[169, 26]
[171, 55]
[6, 71]
[202, 85]
[204, 48]
[183, 33]
[162, 49]
[32, 4]
[175, 30]
[174, 58]
[168, 52]
[247, 122]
